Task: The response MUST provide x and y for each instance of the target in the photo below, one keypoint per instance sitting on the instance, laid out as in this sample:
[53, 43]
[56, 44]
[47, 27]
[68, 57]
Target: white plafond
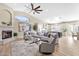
[53, 12]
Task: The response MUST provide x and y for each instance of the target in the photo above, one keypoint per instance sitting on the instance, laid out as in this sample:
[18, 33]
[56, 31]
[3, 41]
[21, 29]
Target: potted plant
[65, 31]
[35, 27]
[15, 34]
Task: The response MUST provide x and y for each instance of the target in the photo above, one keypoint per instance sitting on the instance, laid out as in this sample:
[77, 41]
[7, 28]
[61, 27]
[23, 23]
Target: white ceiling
[53, 12]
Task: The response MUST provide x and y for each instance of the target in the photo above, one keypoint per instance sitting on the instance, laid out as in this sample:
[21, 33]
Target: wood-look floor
[5, 49]
[67, 47]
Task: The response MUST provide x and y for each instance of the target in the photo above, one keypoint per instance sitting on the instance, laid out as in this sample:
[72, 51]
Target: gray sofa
[48, 48]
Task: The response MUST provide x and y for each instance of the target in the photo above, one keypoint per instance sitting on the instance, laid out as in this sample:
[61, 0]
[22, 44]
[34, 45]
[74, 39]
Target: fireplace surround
[6, 34]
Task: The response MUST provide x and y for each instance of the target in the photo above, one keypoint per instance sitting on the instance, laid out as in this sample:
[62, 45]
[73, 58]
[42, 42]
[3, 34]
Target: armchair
[48, 48]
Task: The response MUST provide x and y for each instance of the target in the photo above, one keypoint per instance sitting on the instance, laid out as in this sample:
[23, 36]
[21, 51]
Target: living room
[48, 32]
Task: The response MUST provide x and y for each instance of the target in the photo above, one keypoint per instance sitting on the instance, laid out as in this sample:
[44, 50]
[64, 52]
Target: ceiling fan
[35, 9]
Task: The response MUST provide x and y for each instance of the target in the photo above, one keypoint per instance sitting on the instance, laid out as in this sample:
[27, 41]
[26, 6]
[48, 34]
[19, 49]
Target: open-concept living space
[39, 29]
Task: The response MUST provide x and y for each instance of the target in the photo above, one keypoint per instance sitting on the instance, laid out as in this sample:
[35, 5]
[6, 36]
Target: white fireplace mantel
[6, 27]
[2, 28]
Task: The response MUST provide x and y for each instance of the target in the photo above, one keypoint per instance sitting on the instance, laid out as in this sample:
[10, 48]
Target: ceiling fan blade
[39, 10]
[37, 7]
[32, 6]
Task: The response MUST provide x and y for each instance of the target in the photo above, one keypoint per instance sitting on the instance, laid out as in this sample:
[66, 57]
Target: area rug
[22, 48]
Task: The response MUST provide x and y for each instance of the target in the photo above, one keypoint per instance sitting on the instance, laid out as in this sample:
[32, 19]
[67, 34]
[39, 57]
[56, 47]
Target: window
[22, 19]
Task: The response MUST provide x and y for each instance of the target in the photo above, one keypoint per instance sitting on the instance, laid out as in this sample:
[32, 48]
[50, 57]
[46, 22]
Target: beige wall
[33, 20]
[6, 14]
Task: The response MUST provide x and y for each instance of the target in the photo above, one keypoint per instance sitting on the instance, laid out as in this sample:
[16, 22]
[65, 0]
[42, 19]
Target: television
[6, 34]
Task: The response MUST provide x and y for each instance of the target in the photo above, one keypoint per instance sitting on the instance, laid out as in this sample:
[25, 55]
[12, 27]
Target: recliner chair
[48, 48]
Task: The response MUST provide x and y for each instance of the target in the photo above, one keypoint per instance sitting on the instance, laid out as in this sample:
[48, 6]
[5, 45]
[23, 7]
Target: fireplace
[6, 34]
